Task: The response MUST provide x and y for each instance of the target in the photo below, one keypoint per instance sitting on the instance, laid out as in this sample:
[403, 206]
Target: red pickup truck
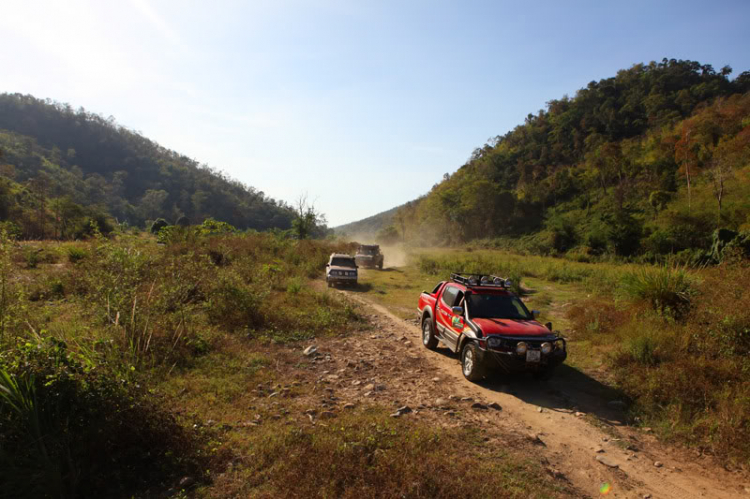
[477, 316]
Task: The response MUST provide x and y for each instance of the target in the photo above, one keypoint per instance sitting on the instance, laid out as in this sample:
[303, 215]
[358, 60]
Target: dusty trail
[559, 416]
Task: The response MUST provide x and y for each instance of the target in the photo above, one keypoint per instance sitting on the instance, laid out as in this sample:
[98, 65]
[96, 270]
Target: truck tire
[380, 264]
[428, 335]
[470, 364]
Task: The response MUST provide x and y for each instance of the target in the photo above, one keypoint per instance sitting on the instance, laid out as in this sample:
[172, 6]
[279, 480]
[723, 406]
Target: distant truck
[479, 318]
[369, 255]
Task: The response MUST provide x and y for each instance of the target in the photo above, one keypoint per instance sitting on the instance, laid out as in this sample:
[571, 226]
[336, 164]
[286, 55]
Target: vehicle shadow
[360, 287]
[570, 391]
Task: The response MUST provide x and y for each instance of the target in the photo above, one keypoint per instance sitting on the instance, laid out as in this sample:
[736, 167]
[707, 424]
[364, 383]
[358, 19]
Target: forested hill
[52, 151]
[608, 169]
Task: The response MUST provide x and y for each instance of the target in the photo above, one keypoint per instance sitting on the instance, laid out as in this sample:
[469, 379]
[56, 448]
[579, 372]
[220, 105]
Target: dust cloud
[395, 254]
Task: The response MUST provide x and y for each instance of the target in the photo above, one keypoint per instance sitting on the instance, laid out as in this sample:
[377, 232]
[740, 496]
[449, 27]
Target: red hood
[511, 327]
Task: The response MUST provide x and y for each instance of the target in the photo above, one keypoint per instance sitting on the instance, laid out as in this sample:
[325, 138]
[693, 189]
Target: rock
[396, 415]
[617, 404]
[379, 388]
[580, 414]
[436, 379]
[370, 388]
[658, 464]
[479, 406]
[495, 406]
[540, 409]
[466, 399]
[607, 461]
[556, 473]
[356, 382]
[274, 394]
[441, 403]
[349, 406]
[367, 394]
[311, 350]
[404, 410]
[536, 438]
[186, 482]
[599, 450]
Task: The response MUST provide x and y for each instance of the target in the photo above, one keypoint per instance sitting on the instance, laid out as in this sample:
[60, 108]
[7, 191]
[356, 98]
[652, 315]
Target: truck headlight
[546, 348]
[494, 342]
[521, 348]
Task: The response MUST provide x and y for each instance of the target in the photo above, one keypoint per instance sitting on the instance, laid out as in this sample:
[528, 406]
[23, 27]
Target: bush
[71, 430]
[667, 289]
[158, 225]
[76, 254]
[236, 305]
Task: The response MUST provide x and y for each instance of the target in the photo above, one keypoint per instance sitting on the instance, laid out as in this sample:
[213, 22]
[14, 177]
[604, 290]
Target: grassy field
[181, 363]
[674, 341]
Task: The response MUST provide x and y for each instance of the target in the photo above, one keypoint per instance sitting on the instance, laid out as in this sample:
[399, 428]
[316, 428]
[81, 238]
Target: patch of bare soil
[570, 423]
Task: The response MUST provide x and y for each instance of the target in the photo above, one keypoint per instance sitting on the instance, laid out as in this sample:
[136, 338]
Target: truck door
[446, 320]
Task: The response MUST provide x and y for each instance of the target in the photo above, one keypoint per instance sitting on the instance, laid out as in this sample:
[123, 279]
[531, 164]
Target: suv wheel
[428, 337]
[470, 362]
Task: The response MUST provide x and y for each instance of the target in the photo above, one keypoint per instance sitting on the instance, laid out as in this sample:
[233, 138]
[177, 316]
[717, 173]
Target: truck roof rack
[474, 280]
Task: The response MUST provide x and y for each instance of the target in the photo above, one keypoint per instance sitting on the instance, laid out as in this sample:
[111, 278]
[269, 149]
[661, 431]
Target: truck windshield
[368, 251]
[343, 262]
[492, 306]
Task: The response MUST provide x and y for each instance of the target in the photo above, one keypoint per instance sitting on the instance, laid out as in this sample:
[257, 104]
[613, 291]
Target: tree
[309, 222]
[152, 203]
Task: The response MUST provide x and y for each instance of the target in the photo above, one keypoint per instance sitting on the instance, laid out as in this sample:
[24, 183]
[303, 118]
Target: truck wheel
[380, 264]
[428, 337]
[470, 362]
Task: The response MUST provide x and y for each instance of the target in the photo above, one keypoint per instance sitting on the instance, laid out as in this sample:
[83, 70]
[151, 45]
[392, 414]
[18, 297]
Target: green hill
[608, 170]
[80, 162]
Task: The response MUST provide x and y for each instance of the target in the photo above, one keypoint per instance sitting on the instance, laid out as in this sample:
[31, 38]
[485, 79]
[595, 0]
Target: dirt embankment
[579, 434]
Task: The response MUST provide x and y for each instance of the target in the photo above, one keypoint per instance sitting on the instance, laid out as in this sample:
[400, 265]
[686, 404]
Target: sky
[361, 106]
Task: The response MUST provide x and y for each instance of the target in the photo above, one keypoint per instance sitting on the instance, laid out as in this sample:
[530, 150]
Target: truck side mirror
[457, 310]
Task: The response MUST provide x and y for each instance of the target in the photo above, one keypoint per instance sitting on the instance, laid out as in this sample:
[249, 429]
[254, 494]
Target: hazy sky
[361, 105]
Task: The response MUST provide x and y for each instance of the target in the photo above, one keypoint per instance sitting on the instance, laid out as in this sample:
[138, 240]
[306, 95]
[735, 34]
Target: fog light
[546, 348]
[521, 348]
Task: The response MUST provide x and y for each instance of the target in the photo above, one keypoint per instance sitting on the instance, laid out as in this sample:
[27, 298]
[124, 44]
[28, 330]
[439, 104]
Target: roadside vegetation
[131, 368]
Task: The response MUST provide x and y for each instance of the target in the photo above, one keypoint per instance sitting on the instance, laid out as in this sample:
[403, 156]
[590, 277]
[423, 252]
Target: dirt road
[578, 430]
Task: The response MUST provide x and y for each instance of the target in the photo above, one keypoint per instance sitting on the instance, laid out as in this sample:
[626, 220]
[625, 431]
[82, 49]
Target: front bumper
[511, 362]
[365, 261]
[341, 279]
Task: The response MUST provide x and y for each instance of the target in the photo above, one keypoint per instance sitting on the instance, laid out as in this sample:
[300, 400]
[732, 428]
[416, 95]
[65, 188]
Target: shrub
[236, 305]
[76, 254]
[70, 430]
[294, 286]
[667, 289]
[158, 225]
